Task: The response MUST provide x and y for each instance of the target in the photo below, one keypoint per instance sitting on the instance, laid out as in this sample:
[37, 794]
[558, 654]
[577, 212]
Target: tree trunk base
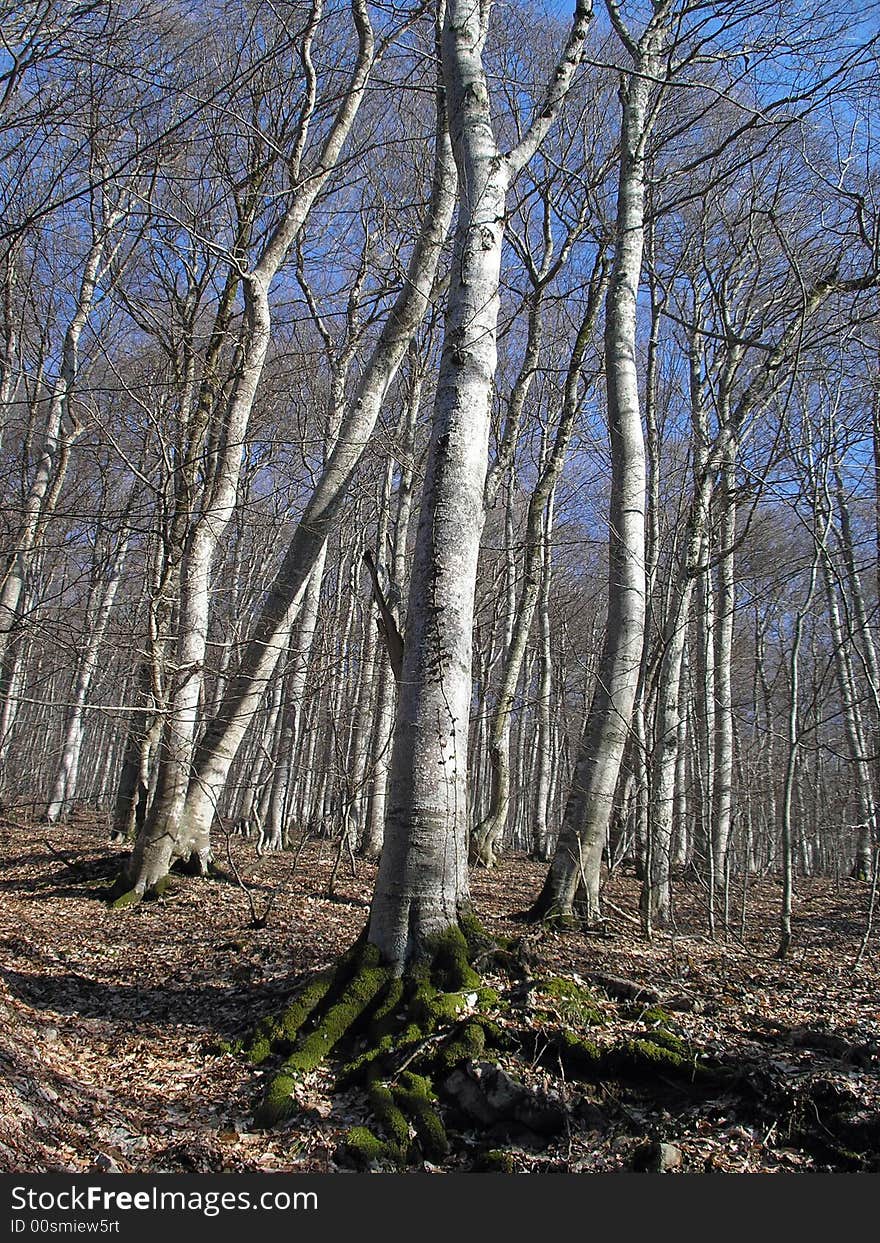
[123, 894]
[425, 1047]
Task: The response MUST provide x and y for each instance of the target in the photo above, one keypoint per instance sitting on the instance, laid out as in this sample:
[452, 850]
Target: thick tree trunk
[422, 886]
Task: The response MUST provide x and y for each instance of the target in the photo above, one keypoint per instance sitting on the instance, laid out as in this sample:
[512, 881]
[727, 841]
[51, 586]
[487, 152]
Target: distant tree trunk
[540, 847]
[102, 594]
[168, 833]
[374, 833]
[576, 867]
[793, 738]
[487, 835]
[722, 801]
[278, 817]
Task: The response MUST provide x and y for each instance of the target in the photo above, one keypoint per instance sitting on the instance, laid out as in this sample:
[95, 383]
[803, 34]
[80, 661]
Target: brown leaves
[110, 1022]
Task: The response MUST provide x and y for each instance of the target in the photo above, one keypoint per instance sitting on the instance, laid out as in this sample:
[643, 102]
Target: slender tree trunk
[224, 734]
[576, 866]
[102, 595]
[488, 834]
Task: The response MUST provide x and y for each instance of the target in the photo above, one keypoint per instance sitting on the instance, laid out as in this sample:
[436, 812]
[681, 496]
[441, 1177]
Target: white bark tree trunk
[576, 865]
[102, 595]
[168, 832]
[224, 734]
[422, 886]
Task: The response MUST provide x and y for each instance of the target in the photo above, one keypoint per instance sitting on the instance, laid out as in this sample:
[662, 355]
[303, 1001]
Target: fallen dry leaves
[109, 1021]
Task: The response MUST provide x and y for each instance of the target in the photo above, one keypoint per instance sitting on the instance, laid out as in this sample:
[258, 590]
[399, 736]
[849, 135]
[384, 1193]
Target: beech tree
[327, 516]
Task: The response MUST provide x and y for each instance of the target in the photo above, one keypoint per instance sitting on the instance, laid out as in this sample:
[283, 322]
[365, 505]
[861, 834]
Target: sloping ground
[111, 1022]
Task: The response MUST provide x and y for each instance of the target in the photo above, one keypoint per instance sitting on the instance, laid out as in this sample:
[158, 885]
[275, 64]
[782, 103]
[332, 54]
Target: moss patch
[392, 1120]
[362, 1148]
[575, 1003]
[130, 897]
[416, 1096]
[451, 968]
[278, 1103]
[495, 1161]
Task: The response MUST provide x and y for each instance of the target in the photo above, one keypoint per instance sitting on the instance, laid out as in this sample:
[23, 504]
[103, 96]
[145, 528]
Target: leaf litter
[112, 1022]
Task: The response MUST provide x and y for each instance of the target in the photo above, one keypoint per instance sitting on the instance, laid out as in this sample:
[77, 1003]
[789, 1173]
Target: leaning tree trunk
[169, 832]
[224, 734]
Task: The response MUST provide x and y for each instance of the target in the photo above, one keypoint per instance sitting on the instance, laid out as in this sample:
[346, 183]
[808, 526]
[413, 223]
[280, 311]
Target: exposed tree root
[425, 1049]
[122, 894]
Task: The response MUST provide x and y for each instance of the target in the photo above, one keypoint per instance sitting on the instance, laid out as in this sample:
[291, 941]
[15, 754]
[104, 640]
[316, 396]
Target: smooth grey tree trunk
[575, 870]
[422, 885]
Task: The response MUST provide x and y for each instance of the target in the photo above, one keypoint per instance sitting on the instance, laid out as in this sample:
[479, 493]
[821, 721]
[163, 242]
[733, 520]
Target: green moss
[222, 1046]
[580, 1058]
[278, 1102]
[479, 941]
[130, 897]
[467, 1044]
[575, 1003]
[259, 1049]
[390, 1117]
[367, 1064]
[647, 1055]
[359, 992]
[497, 1036]
[363, 1148]
[495, 1161]
[561, 921]
[670, 1042]
[450, 955]
[656, 1016]
[488, 998]
[385, 1017]
[430, 1008]
[280, 1033]
[415, 1096]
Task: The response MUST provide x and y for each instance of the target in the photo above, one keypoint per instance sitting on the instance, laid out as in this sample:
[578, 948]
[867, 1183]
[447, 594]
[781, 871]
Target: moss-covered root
[347, 1005]
[121, 895]
[362, 1148]
[415, 1095]
[393, 1122]
[395, 1016]
[450, 956]
[279, 1033]
[574, 1003]
[643, 1057]
[394, 1107]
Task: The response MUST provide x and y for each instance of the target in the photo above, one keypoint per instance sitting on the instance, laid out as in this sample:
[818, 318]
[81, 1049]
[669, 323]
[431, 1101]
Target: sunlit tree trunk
[422, 885]
[106, 574]
[576, 866]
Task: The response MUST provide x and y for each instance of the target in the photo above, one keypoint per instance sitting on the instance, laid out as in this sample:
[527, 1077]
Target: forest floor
[111, 1021]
